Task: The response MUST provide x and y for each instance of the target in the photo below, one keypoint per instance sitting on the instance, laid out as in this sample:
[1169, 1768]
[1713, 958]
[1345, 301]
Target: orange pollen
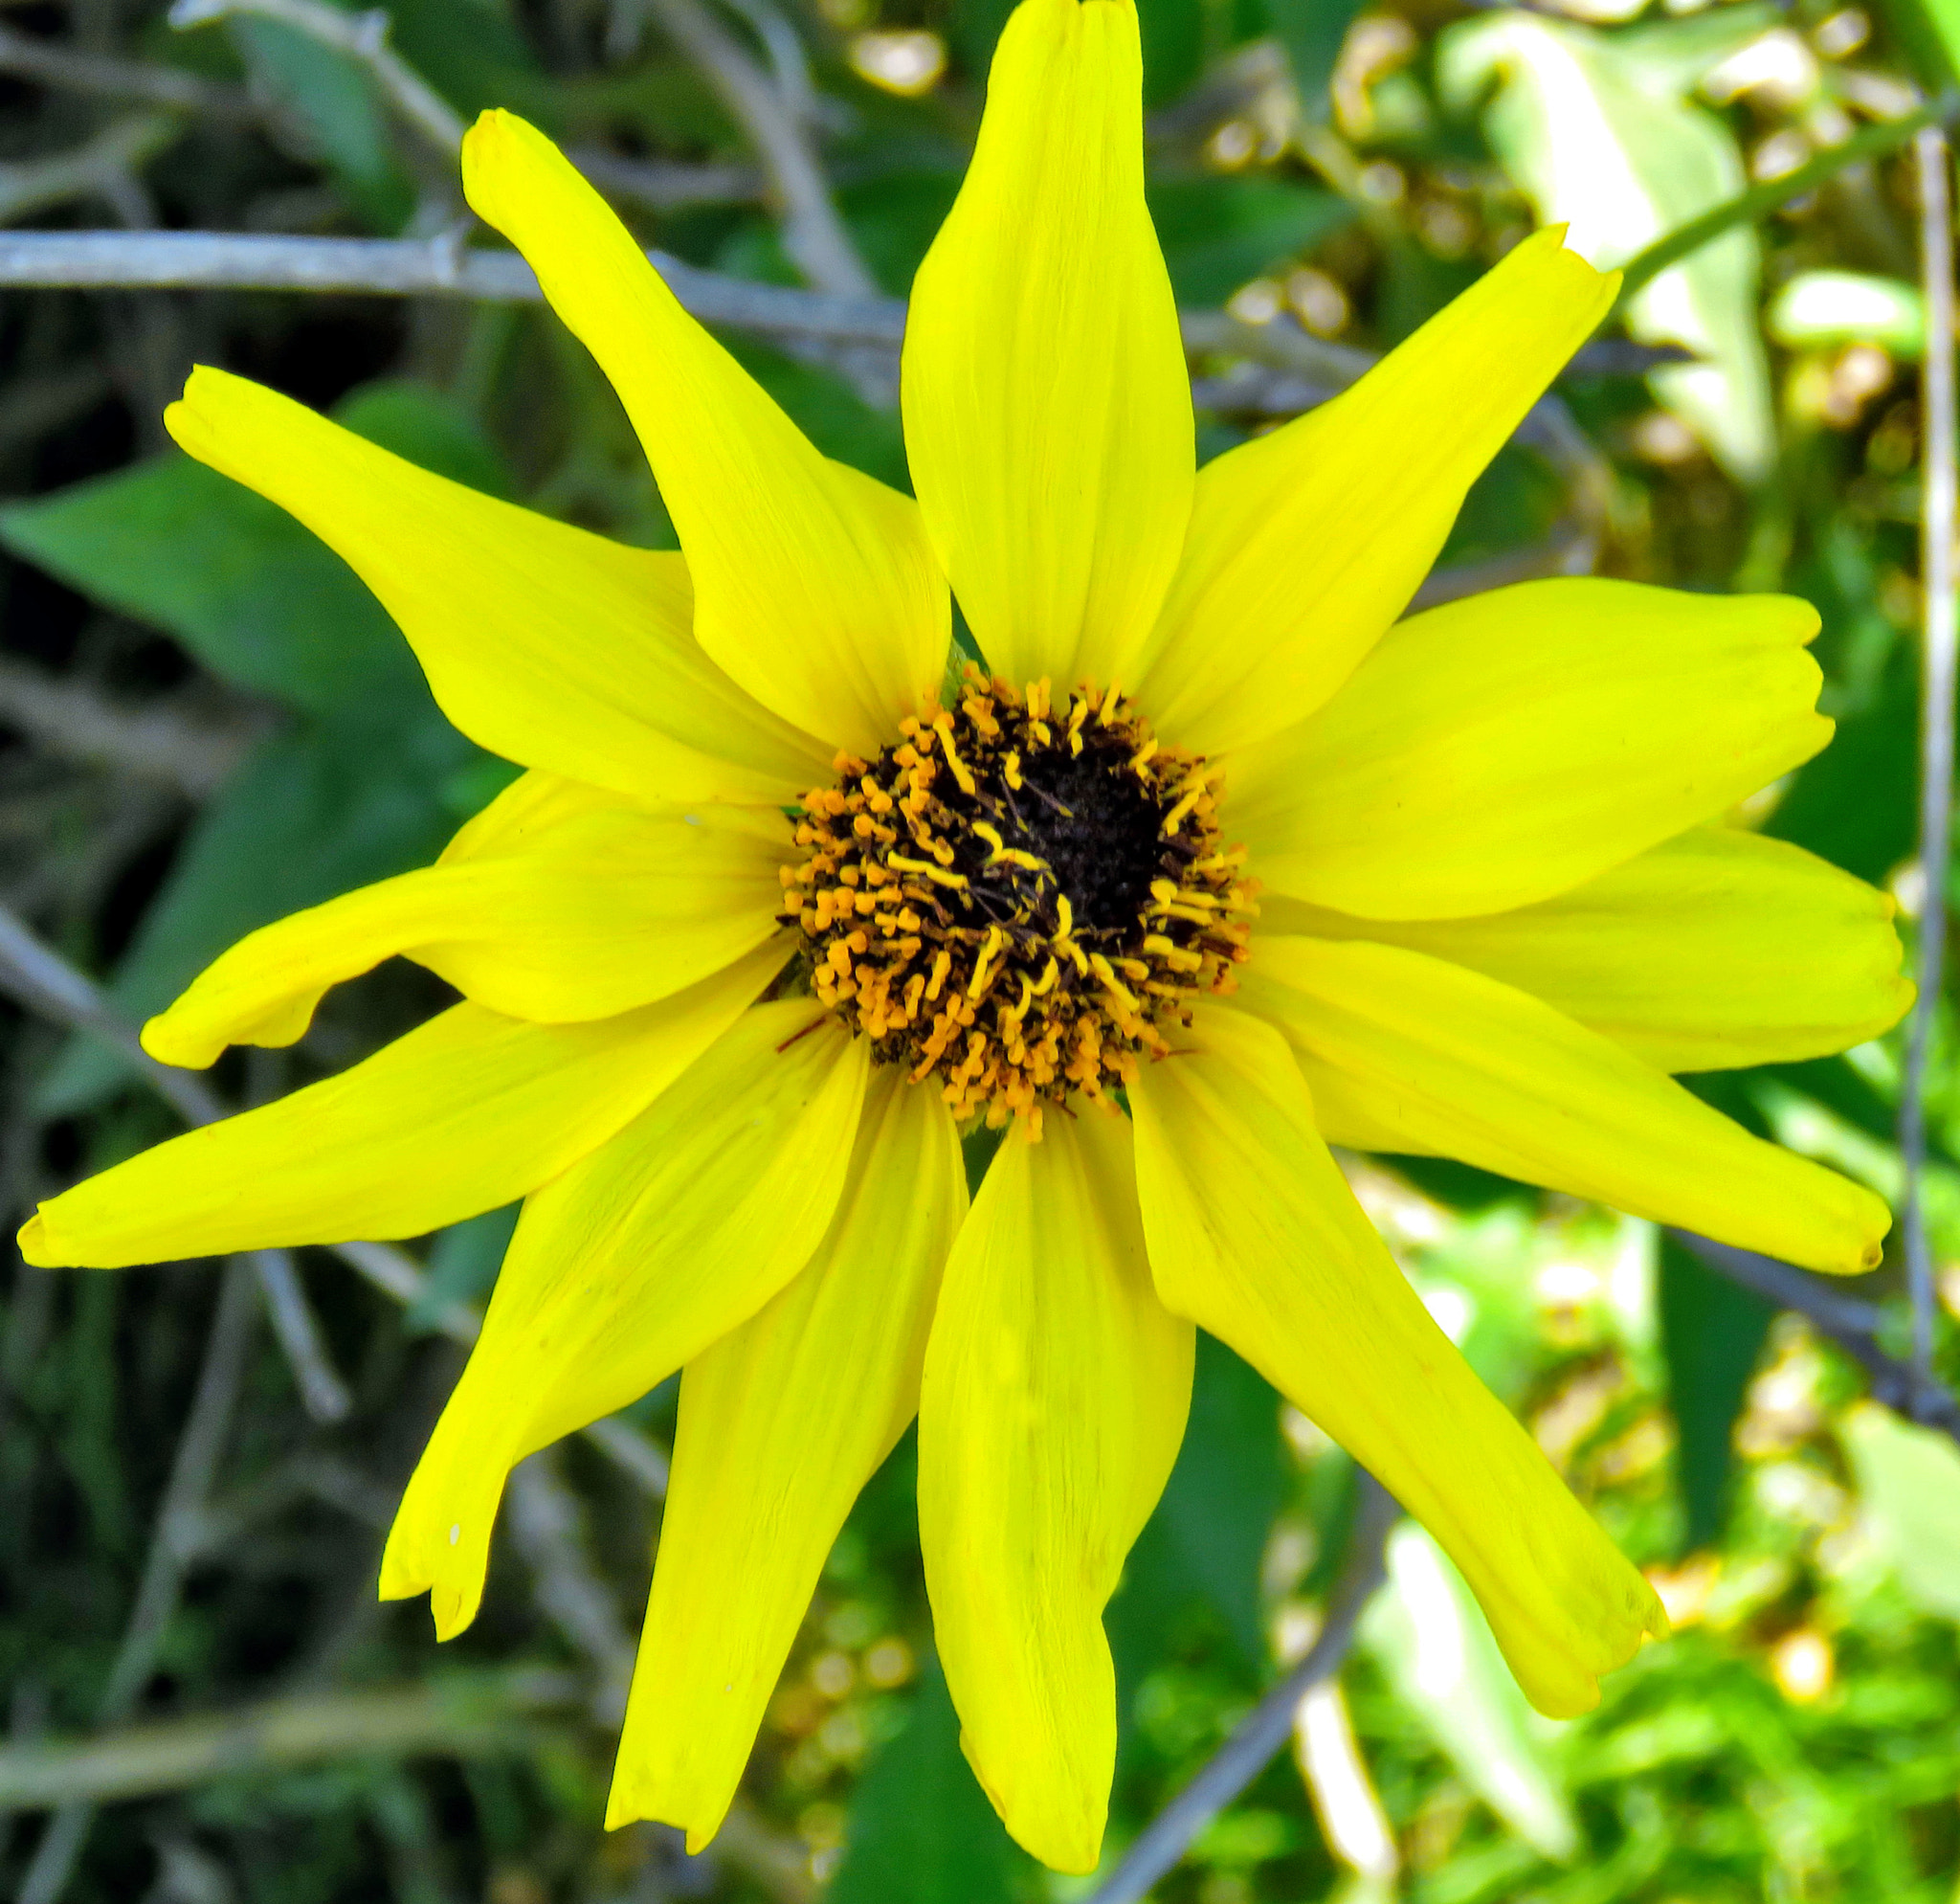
[1018, 899]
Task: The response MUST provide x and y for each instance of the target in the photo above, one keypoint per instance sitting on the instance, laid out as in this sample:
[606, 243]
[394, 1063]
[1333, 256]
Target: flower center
[1017, 898]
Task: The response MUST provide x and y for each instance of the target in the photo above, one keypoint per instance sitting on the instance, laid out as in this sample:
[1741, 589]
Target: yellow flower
[1492, 913]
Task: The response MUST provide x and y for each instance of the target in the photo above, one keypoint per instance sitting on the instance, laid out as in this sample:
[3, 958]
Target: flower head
[1208, 866]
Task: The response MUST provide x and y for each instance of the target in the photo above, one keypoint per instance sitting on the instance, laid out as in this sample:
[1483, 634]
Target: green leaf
[1173, 36]
[462, 1266]
[921, 1831]
[1712, 1332]
[257, 597]
[1311, 30]
[172, 543]
[1219, 233]
[1908, 1484]
[1206, 1541]
[312, 815]
[334, 98]
[1432, 1643]
[1599, 131]
[1828, 307]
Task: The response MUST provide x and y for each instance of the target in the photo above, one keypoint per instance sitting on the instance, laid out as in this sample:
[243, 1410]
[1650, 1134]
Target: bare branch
[1849, 1321]
[1937, 520]
[1268, 1726]
[323, 1394]
[406, 267]
[362, 38]
[813, 233]
[96, 169]
[667, 185]
[56, 66]
[464, 1715]
[154, 743]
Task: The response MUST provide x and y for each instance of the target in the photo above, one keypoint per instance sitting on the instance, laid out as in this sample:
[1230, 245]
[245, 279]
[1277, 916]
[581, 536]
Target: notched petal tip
[169, 1044]
[34, 1247]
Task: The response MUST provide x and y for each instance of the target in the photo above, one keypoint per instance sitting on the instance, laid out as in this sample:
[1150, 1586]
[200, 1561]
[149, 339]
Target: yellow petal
[814, 586]
[1055, 1397]
[1306, 544]
[594, 906]
[463, 1114]
[1498, 750]
[628, 1265]
[782, 1421]
[1048, 416]
[1255, 1237]
[543, 642]
[1715, 949]
[1457, 1065]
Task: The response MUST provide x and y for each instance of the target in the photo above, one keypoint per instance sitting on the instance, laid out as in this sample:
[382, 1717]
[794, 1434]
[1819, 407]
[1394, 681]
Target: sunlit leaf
[1908, 1485]
[1432, 1642]
[1599, 131]
[921, 1831]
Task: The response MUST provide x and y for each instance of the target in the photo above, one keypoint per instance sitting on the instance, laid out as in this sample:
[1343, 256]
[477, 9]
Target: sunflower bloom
[1211, 866]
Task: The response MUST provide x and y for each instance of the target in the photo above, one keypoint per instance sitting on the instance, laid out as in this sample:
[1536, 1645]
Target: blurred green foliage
[1318, 167]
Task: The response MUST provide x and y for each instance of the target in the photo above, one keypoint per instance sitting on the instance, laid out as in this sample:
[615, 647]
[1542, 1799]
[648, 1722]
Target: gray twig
[462, 1714]
[667, 185]
[99, 168]
[56, 66]
[1849, 1321]
[813, 236]
[157, 741]
[41, 980]
[1937, 512]
[362, 38]
[1267, 1727]
[323, 1394]
[544, 1517]
[412, 267]
[173, 1545]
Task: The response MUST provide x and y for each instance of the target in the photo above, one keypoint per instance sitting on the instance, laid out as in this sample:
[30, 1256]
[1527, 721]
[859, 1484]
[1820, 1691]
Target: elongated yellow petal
[599, 907]
[782, 1421]
[1714, 950]
[463, 1114]
[1048, 413]
[1055, 1397]
[1461, 1065]
[628, 1265]
[545, 643]
[1504, 748]
[1255, 1236]
[1306, 544]
[814, 586]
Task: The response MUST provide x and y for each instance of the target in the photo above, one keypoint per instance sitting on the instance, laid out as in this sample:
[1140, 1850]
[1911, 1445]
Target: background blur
[205, 723]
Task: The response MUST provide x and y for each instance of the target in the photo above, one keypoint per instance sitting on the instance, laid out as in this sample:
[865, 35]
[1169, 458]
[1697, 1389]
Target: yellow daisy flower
[1209, 835]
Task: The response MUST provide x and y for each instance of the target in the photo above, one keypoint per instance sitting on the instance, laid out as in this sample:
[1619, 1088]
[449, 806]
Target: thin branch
[323, 1394]
[410, 267]
[1849, 1321]
[42, 981]
[813, 236]
[95, 169]
[50, 65]
[463, 1715]
[1745, 208]
[667, 185]
[173, 1544]
[1937, 576]
[1266, 1728]
[158, 743]
[363, 38]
